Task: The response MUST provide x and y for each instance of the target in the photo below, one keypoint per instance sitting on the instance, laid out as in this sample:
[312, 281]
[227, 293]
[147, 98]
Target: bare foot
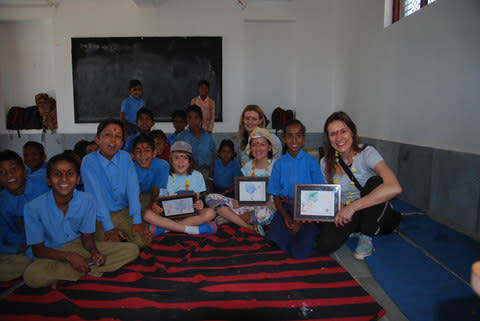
[58, 284]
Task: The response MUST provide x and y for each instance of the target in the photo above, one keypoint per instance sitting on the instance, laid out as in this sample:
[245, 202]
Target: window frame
[396, 9]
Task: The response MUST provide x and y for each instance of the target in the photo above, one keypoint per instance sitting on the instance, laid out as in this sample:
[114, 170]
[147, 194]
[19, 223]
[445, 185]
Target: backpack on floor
[280, 117]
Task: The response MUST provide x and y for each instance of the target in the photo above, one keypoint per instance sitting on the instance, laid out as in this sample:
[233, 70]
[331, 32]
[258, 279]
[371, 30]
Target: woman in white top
[363, 211]
[253, 116]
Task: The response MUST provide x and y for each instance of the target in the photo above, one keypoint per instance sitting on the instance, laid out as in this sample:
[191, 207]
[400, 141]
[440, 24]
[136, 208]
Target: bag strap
[347, 171]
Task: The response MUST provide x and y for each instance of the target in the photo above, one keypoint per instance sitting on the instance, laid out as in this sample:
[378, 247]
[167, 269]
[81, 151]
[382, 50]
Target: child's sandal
[259, 229]
[220, 220]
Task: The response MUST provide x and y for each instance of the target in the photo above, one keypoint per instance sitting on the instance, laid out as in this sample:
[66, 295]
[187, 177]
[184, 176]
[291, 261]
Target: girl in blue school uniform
[225, 168]
[294, 167]
[183, 179]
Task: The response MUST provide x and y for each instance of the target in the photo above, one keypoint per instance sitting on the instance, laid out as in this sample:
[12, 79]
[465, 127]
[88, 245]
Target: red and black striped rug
[233, 275]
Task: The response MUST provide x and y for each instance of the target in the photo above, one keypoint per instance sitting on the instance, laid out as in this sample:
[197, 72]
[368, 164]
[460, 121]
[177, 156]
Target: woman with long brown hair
[367, 184]
[253, 116]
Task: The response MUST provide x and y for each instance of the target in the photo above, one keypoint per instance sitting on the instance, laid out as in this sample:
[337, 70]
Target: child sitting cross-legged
[183, 179]
[152, 172]
[60, 225]
[110, 176]
[18, 190]
[260, 149]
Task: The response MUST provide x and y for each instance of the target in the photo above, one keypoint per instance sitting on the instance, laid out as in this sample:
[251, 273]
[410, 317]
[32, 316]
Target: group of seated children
[71, 232]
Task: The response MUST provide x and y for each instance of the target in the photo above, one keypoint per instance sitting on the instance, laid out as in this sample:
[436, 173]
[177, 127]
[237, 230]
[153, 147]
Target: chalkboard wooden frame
[168, 67]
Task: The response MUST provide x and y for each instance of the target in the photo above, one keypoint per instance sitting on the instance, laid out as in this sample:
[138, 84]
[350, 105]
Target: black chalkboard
[168, 67]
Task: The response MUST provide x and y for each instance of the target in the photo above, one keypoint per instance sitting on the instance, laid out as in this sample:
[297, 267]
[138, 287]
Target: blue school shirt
[172, 138]
[129, 141]
[114, 184]
[288, 171]
[130, 106]
[224, 176]
[12, 206]
[42, 171]
[203, 148]
[155, 176]
[177, 184]
[45, 222]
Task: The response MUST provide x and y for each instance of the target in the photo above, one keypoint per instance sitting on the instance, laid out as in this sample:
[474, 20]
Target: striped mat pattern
[233, 275]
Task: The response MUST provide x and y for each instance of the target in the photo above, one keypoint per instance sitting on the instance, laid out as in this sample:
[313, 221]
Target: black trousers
[378, 219]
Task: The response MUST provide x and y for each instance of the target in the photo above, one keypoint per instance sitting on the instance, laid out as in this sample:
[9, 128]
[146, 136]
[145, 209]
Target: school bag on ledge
[23, 118]
[41, 116]
[47, 107]
[280, 117]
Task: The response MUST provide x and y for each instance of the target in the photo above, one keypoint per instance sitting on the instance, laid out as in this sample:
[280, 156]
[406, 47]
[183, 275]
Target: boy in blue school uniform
[131, 105]
[225, 169]
[18, 190]
[144, 123]
[295, 167]
[109, 174]
[201, 141]
[34, 158]
[60, 225]
[152, 172]
[179, 121]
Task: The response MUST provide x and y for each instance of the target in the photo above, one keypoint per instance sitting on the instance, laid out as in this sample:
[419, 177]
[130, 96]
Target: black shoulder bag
[389, 219]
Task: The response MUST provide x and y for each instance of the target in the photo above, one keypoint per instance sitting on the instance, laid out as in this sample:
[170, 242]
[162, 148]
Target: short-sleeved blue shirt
[172, 138]
[130, 106]
[12, 206]
[177, 184]
[42, 171]
[224, 176]
[155, 176]
[288, 171]
[203, 148]
[114, 184]
[128, 143]
[45, 222]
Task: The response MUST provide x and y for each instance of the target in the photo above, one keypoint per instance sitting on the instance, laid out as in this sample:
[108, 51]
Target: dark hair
[196, 109]
[80, 148]
[145, 111]
[203, 82]
[36, 145]
[143, 139]
[62, 157]
[226, 143]
[330, 158]
[190, 159]
[133, 83]
[7, 154]
[158, 133]
[288, 124]
[106, 122]
[179, 113]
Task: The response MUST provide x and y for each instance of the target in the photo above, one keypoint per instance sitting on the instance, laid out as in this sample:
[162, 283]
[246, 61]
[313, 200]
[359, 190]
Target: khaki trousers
[44, 272]
[12, 266]
[123, 221]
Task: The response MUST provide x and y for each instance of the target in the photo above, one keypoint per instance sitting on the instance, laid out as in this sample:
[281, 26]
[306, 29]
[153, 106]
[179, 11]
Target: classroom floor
[360, 272]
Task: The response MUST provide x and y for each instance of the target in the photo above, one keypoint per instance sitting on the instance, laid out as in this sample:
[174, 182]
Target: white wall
[303, 82]
[416, 81]
[26, 66]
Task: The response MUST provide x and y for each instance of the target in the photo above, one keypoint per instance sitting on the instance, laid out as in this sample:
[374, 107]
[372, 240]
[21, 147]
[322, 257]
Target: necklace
[337, 173]
[187, 184]
[254, 166]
